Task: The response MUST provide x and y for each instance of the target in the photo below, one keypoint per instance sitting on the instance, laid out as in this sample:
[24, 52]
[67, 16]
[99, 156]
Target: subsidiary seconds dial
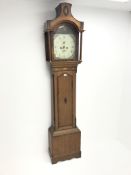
[64, 46]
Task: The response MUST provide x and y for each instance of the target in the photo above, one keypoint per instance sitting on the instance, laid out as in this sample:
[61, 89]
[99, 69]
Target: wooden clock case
[64, 135]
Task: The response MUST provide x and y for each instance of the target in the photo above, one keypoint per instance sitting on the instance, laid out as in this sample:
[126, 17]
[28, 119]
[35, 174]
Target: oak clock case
[63, 44]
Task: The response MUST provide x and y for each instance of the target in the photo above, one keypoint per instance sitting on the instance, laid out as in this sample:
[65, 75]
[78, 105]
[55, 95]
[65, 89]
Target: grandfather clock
[63, 43]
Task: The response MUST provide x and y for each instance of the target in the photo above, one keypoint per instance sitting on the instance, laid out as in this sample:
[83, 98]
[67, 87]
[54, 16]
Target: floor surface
[105, 157]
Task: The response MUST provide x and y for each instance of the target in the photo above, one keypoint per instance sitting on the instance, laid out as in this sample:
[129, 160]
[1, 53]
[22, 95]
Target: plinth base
[64, 144]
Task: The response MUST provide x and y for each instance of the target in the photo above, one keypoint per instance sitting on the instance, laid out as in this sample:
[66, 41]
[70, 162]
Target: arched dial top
[65, 42]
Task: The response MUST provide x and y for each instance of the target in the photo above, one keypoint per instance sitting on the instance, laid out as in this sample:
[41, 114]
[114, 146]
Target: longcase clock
[63, 42]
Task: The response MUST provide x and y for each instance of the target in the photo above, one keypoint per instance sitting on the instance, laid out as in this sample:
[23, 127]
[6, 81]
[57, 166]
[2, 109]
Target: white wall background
[125, 119]
[104, 54]
[103, 91]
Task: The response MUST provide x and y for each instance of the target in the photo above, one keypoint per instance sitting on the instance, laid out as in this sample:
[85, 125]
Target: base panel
[64, 144]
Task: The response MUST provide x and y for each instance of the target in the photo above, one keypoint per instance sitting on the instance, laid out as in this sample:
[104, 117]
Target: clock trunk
[65, 100]
[64, 83]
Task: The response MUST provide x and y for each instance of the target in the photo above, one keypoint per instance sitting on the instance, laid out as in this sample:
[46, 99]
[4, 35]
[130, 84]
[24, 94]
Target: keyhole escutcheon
[65, 100]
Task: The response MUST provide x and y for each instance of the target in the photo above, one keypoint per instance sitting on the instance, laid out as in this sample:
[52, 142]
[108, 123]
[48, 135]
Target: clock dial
[65, 42]
[64, 46]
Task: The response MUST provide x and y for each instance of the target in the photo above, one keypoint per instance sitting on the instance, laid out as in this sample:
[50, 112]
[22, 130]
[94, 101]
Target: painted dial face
[64, 46]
